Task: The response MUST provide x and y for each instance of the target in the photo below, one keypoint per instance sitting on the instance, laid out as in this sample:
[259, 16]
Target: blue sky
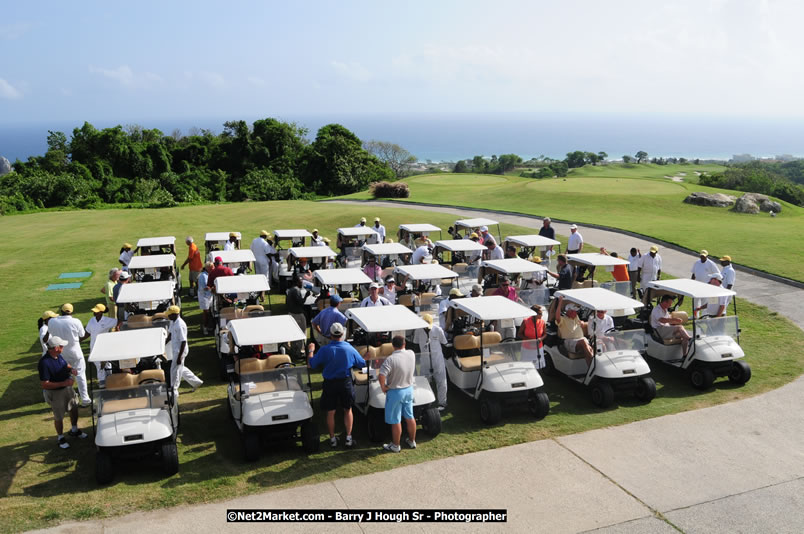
[150, 60]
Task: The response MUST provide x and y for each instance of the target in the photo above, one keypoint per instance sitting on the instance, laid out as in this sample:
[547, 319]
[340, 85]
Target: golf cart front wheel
[602, 394]
[251, 445]
[538, 404]
[170, 457]
[431, 422]
[311, 439]
[646, 389]
[104, 471]
[702, 378]
[490, 411]
[740, 373]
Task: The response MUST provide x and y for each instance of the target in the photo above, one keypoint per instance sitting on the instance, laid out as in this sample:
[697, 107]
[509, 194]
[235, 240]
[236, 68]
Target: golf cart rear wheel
[740, 373]
[310, 438]
[538, 404]
[702, 378]
[376, 425]
[251, 445]
[646, 389]
[602, 394]
[490, 410]
[104, 471]
[170, 457]
[431, 421]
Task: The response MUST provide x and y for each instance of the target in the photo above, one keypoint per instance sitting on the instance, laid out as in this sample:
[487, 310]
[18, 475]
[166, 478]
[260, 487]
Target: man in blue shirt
[56, 379]
[326, 318]
[338, 359]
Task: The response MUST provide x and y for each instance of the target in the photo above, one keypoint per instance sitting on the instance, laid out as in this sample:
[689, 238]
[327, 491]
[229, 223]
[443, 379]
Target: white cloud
[10, 32]
[212, 79]
[9, 91]
[352, 71]
[126, 77]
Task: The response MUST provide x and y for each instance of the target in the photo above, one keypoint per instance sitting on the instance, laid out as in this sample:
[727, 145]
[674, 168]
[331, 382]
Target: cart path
[737, 466]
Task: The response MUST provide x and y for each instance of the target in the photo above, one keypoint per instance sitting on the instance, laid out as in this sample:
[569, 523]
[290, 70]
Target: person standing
[534, 331]
[380, 229]
[493, 252]
[650, 267]
[322, 323]
[633, 269]
[98, 325]
[56, 380]
[396, 381]
[550, 233]
[429, 341]
[44, 333]
[177, 337]
[196, 266]
[374, 298]
[263, 254]
[126, 253]
[701, 271]
[219, 269]
[717, 308]
[575, 242]
[108, 289]
[70, 329]
[337, 358]
[122, 279]
[205, 297]
[729, 276]
[564, 273]
[295, 299]
[316, 240]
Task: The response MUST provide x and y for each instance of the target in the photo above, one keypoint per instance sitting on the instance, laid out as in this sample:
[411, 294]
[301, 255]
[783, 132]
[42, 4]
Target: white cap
[336, 330]
[484, 228]
[125, 275]
[571, 307]
[716, 276]
[573, 227]
[374, 285]
[55, 341]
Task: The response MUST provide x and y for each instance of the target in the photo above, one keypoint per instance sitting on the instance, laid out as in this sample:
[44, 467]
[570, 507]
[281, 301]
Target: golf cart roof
[597, 298]
[416, 228]
[219, 236]
[338, 277]
[354, 231]
[382, 249]
[115, 346]
[266, 330]
[475, 223]
[243, 283]
[460, 245]
[514, 266]
[145, 292]
[146, 242]
[425, 271]
[691, 288]
[386, 318]
[532, 240]
[595, 258]
[312, 252]
[492, 308]
[152, 262]
[235, 256]
[290, 234]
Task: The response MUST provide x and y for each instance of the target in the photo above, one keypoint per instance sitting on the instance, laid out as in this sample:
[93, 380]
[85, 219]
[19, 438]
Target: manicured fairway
[42, 485]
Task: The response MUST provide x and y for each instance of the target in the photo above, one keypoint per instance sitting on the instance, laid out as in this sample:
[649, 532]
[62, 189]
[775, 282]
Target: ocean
[450, 137]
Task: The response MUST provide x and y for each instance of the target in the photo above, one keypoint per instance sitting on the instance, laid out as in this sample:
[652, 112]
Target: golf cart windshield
[274, 380]
[490, 353]
[530, 297]
[151, 396]
[621, 288]
[718, 326]
[617, 340]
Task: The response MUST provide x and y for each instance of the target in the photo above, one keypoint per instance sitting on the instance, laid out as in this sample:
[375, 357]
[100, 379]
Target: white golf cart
[284, 240]
[235, 297]
[137, 414]
[145, 304]
[528, 277]
[463, 256]
[317, 257]
[420, 285]
[215, 241]
[467, 226]
[269, 398]
[408, 234]
[531, 245]
[386, 256]
[159, 267]
[492, 370]
[350, 241]
[371, 331]
[239, 261]
[714, 349]
[157, 245]
[618, 365]
[587, 262]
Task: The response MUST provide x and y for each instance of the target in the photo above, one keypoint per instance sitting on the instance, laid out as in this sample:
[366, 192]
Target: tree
[591, 157]
[576, 159]
[602, 156]
[397, 158]
[479, 164]
[461, 166]
[508, 161]
[626, 159]
[641, 156]
[559, 168]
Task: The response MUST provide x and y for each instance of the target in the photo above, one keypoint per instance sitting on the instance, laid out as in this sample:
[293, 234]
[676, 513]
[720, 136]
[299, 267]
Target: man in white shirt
[374, 298]
[419, 255]
[263, 253]
[666, 326]
[98, 325]
[177, 337]
[575, 242]
[715, 309]
[232, 243]
[316, 240]
[703, 268]
[633, 269]
[429, 341]
[650, 267]
[126, 253]
[380, 229]
[71, 330]
[44, 333]
[601, 325]
[485, 235]
[362, 223]
[729, 276]
[494, 252]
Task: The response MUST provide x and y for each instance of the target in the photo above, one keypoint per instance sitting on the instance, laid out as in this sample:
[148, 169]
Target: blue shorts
[398, 403]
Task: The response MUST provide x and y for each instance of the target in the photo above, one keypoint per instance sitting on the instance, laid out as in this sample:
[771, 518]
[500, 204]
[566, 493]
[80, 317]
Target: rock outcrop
[5, 166]
[755, 202]
[718, 200]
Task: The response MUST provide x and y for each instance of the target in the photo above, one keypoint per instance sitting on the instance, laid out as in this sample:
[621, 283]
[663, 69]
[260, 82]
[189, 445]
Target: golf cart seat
[489, 292]
[229, 313]
[346, 304]
[470, 342]
[665, 341]
[246, 366]
[426, 299]
[122, 381]
[584, 284]
[252, 308]
[369, 352]
[139, 321]
[571, 355]
[150, 375]
[385, 350]
[460, 268]
[408, 299]
[161, 316]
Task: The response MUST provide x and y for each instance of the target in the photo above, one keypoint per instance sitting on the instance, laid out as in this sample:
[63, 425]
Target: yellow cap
[654, 248]
[536, 259]
[362, 219]
[473, 235]
[263, 233]
[326, 240]
[99, 308]
[49, 315]
[67, 308]
[126, 245]
[428, 318]
[173, 310]
[315, 230]
[232, 234]
[376, 219]
[725, 258]
[704, 252]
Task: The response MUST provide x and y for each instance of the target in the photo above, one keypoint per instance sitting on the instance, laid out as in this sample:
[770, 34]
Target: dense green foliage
[774, 179]
[271, 160]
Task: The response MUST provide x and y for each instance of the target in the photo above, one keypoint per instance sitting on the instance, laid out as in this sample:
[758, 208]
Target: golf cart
[215, 241]
[350, 241]
[492, 370]
[235, 297]
[420, 285]
[239, 261]
[371, 331]
[284, 240]
[532, 245]
[617, 365]
[409, 233]
[157, 245]
[269, 398]
[588, 262]
[156, 267]
[386, 256]
[714, 349]
[528, 277]
[317, 257]
[146, 303]
[463, 255]
[473, 225]
[137, 414]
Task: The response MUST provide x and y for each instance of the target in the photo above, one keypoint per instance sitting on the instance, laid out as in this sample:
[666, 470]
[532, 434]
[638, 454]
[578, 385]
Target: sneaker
[63, 443]
[333, 441]
[350, 442]
[195, 388]
[390, 447]
[442, 407]
[77, 433]
[411, 443]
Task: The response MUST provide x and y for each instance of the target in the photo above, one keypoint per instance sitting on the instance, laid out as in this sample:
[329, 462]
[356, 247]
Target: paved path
[736, 467]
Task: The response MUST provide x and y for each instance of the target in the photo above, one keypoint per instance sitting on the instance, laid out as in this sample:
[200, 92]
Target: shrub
[389, 190]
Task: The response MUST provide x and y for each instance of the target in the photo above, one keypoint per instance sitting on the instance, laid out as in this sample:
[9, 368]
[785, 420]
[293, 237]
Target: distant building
[785, 157]
[742, 158]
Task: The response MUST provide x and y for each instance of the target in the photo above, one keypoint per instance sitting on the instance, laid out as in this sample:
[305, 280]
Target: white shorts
[205, 303]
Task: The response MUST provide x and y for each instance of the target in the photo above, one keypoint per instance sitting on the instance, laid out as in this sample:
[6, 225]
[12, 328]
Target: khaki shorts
[570, 344]
[61, 401]
[194, 276]
[668, 331]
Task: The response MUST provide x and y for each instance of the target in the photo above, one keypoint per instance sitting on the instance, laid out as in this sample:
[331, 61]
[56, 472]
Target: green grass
[42, 485]
[636, 198]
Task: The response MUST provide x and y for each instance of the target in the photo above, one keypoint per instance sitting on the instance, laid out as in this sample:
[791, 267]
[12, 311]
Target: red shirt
[509, 293]
[195, 258]
[620, 273]
[220, 270]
